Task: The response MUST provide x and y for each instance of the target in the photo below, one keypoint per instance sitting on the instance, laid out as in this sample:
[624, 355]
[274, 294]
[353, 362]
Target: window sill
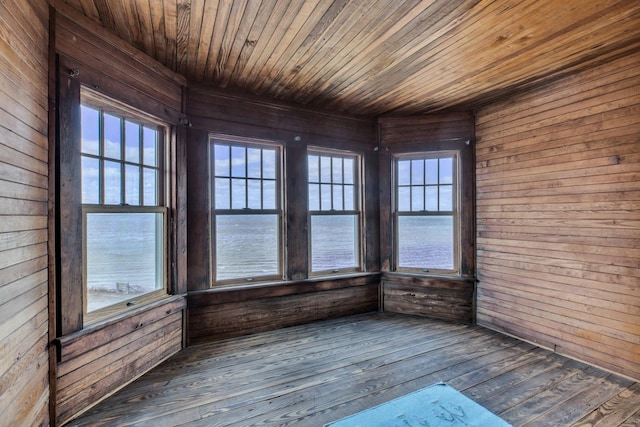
[426, 276]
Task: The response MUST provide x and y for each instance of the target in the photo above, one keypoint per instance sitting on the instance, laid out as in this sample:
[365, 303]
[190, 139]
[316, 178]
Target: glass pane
[431, 195]
[90, 130]
[446, 198]
[112, 136]
[247, 246]
[349, 171]
[269, 195]
[404, 199]
[90, 180]
[269, 163]
[125, 253]
[334, 242]
[425, 242]
[112, 183]
[325, 197]
[238, 194]
[238, 162]
[222, 194]
[446, 171]
[314, 197]
[417, 198]
[221, 155]
[404, 172]
[325, 169]
[254, 163]
[337, 170]
[132, 184]
[431, 171]
[349, 198]
[337, 198]
[417, 172]
[314, 168]
[150, 141]
[132, 142]
[150, 187]
[254, 194]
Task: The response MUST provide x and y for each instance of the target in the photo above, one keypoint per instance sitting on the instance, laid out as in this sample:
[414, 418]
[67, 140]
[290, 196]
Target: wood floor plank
[312, 374]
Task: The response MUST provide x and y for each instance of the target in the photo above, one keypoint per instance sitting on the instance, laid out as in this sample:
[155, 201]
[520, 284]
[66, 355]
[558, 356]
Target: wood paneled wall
[558, 202]
[24, 362]
[94, 361]
[222, 313]
[447, 298]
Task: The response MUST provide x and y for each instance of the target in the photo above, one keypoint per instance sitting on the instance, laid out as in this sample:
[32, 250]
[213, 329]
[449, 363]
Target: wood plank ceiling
[374, 57]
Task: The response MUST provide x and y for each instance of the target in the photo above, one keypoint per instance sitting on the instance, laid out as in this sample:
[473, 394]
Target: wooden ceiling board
[373, 57]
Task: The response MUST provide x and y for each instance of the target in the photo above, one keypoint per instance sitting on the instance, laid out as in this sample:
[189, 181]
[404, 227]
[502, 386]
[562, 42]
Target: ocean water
[125, 258]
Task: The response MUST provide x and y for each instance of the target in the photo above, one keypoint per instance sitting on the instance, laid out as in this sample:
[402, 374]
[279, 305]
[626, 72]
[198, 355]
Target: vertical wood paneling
[24, 361]
[558, 196]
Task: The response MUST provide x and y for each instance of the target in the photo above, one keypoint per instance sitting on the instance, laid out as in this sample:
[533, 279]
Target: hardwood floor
[312, 374]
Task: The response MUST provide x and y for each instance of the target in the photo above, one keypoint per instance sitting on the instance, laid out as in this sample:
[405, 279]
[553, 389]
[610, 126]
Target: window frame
[357, 211]
[279, 211]
[106, 105]
[455, 213]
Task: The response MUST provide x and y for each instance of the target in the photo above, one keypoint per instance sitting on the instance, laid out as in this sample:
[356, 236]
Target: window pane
[221, 155]
[337, 197]
[238, 194]
[349, 171]
[246, 246]
[431, 171]
[426, 242]
[90, 180]
[334, 243]
[325, 169]
[325, 197]
[446, 198]
[404, 172]
[124, 257]
[222, 193]
[253, 163]
[112, 183]
[112, 136]
[238, 162]
[314, 197]
[404, 199]
[132, 184]
[337, 170]
[150, 141]
[254, 194]
[132, 142]
[349, 198]
[431, 195]
[269, 163]
[417, 198]
[446, 171]
[269, 195]
[150, 187]
[90, 130]
[417, 172]
[314, 168]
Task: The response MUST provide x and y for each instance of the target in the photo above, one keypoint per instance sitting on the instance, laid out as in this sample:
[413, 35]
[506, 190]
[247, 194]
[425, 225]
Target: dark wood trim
[296, 251]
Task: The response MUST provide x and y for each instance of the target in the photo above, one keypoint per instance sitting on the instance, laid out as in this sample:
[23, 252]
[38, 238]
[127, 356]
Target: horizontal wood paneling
[558, 195]
[219, 314]
[96, 362]
[436, 298]
[24, 355]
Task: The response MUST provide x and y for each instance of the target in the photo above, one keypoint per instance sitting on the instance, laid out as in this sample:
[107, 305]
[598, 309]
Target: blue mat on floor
[436, 406]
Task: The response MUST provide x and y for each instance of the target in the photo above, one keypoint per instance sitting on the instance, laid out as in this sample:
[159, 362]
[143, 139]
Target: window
[124, 218]
[246, 210]
[426, 213]
[334, 211]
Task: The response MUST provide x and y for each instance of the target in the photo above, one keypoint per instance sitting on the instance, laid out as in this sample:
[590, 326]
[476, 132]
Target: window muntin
[426, 213]
[334, 212]
[246, 211]
[124, 220]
